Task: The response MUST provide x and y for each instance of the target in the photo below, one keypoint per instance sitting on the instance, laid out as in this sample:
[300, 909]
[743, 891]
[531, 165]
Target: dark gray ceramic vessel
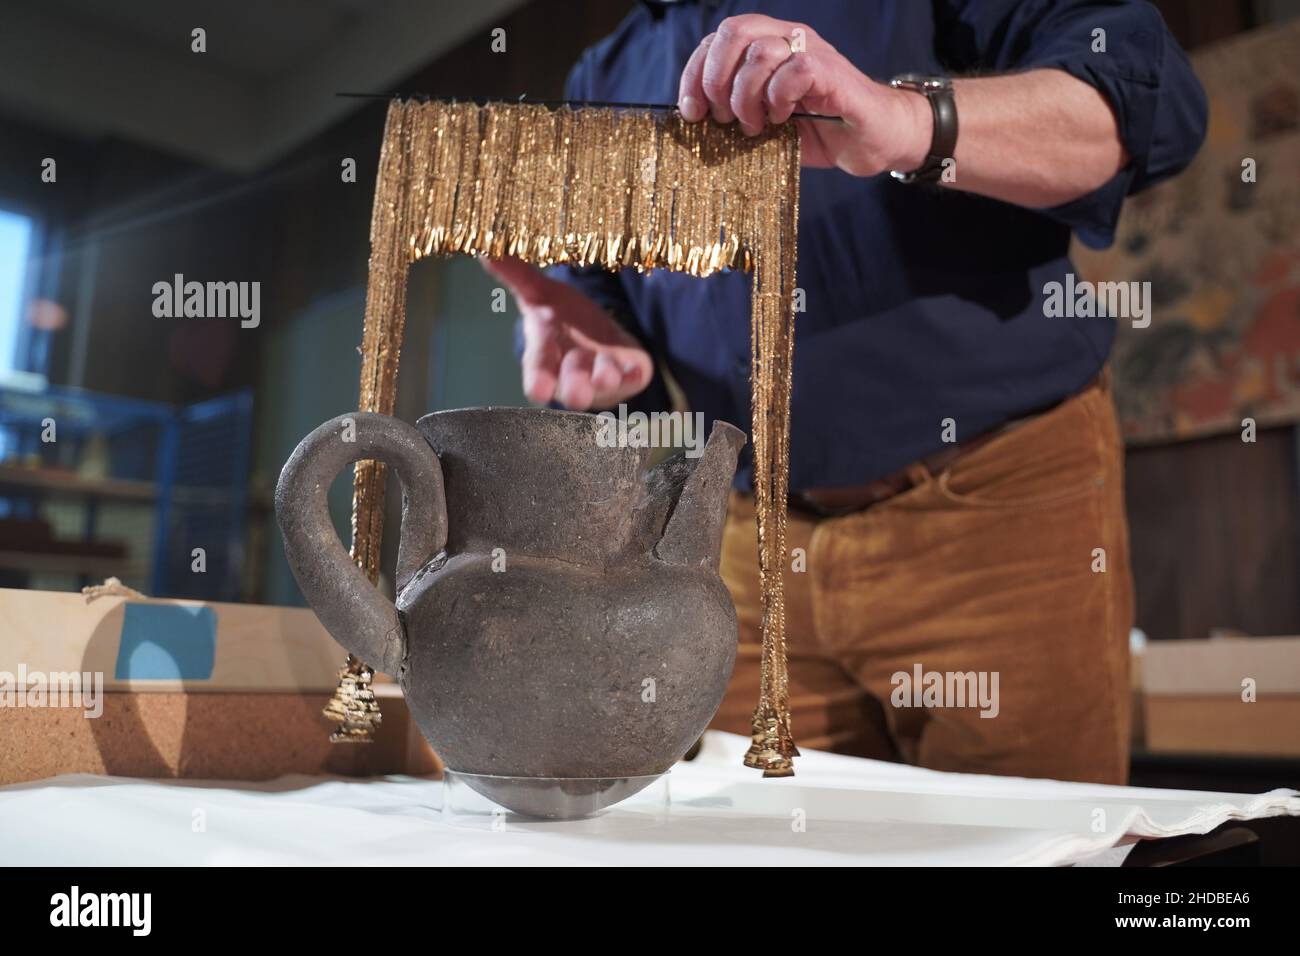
[559, 612]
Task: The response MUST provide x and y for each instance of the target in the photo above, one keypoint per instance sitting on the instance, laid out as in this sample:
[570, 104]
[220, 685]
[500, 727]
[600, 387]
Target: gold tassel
[773, 748]
[353, 706]
[613, 188]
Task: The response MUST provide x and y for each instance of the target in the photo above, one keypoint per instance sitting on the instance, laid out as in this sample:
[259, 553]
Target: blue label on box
[167, 642]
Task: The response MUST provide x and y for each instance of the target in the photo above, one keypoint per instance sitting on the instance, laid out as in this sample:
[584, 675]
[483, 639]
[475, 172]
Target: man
[959, 593]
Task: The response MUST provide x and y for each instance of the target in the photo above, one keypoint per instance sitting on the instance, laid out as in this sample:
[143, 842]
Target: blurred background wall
[227, 165]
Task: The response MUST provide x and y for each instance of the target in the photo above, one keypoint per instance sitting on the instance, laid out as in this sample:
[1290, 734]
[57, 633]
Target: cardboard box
[1237, 696]
[180, 689]
[156, 646]
[226, 736]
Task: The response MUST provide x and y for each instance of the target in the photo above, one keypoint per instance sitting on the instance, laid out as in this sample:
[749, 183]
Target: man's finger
[720, 64]
[632, 360]
[791, 82]
[575, 390]
[606, 378]
[634, 376]
[691, 98]
[749, 88]
[526, 282]
[732, 38]
[540, 362]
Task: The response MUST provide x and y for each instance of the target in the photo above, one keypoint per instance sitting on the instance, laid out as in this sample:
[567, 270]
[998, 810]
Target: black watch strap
[943, 144]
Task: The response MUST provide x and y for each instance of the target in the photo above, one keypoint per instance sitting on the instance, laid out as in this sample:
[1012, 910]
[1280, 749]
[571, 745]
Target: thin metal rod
[600, 103]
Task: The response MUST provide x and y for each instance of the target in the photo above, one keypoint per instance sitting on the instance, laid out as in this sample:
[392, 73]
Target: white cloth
[838, 810]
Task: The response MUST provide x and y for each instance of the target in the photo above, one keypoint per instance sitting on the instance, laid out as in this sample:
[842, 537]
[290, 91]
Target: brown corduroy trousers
[977, 622]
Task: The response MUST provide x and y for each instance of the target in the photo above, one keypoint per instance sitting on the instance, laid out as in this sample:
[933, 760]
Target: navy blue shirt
[921, 304]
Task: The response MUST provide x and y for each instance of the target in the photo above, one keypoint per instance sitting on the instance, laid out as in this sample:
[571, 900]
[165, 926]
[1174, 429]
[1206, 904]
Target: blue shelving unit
[188, 464]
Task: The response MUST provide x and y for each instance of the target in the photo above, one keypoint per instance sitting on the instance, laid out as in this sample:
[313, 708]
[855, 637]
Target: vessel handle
[351, 608]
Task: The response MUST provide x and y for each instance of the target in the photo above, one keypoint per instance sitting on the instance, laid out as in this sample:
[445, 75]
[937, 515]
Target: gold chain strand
[605, 187]
[353, 706]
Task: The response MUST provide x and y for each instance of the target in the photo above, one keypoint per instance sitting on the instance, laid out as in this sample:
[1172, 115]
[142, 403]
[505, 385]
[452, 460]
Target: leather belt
[833, 502]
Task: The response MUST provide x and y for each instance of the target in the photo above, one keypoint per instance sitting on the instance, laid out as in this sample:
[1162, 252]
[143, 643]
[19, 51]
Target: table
[838, 811]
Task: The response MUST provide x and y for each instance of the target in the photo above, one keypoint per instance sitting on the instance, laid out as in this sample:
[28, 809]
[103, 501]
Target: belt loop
[918, 474]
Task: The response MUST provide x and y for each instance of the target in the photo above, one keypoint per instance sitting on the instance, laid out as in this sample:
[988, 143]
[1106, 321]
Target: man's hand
[757, 70]
[574, 353]
[1038, 138]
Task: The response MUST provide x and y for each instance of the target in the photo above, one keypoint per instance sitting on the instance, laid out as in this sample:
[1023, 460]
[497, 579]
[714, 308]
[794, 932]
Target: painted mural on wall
[1220, 245]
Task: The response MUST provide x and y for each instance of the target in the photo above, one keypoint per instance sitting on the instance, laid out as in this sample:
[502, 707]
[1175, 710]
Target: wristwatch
[938, 90]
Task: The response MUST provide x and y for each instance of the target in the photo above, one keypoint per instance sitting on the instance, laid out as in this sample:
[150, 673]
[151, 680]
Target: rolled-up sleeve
[1122, 48]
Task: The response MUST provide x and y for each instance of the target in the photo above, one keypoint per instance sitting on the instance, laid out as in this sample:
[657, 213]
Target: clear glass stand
[595, 804]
